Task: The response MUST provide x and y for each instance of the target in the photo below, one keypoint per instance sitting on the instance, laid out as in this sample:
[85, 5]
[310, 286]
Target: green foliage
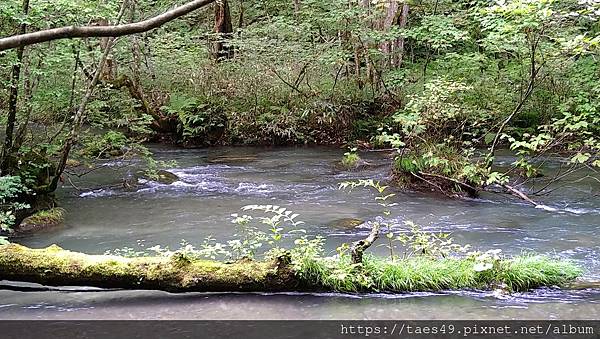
[351, 158]
[201, 123]
[442, 164]
[11, 187]
[110, 144]
[329, 73]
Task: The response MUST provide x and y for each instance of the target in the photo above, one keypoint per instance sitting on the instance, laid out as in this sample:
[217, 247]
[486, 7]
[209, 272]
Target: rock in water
[166, 177]
[346, 223]
[42, 220]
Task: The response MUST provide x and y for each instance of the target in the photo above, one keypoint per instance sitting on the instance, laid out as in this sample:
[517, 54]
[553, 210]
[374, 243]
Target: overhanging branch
[100, 31]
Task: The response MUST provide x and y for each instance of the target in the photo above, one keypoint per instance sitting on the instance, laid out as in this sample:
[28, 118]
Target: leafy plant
[351, 158]
[11, 188]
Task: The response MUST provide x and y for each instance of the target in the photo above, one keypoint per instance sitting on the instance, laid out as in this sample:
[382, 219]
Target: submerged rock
[358, 165]
[346, 223]
[228, 159]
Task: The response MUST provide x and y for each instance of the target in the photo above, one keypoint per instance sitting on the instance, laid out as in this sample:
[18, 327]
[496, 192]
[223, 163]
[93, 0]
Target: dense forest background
[444, 83]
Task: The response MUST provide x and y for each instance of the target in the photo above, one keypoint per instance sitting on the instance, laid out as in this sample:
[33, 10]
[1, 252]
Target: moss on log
[58, 267]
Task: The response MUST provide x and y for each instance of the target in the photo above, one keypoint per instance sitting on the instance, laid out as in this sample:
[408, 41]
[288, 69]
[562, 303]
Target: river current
[214, 183]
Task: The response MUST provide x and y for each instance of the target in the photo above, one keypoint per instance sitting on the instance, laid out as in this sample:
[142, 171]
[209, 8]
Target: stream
[216, 182]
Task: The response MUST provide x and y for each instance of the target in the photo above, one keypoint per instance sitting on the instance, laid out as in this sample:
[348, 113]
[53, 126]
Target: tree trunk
[7, 150]
[366, 5]
[224, 30]
[398, 46]
[359, 247]
[109, 71]
[389, 20]
[55, 266]
[80, 114]
[396, 15]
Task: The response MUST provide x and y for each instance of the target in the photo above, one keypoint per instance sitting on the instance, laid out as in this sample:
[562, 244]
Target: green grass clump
[350, 160]
[51, 217]
[526, 272]
[428, 274]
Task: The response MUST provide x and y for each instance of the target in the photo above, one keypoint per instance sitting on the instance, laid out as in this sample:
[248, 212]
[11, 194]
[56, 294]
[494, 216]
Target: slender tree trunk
[224, 30]
[7, 150]
[241, 17]
[79, 115]
[29, 84]
[366, 5]
[389, 20]
[398, 46]
[109, 70]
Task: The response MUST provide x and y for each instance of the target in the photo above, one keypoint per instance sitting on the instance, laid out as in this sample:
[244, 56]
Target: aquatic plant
[351, 158]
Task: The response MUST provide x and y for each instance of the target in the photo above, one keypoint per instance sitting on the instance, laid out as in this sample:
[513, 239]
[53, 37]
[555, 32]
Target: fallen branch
[472, 189]
[69, 32]
[431, 183]
[520, 194]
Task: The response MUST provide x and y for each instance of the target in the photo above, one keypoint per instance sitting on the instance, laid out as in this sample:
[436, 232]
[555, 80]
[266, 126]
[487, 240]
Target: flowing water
[216, 182]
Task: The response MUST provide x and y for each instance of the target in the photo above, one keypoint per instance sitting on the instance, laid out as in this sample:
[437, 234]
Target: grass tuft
[428, 274]
[45, 218]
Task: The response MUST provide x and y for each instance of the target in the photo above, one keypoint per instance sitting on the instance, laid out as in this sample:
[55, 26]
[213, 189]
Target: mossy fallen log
[54, 266]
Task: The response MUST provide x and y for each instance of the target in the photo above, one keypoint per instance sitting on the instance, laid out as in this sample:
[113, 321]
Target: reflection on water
[215, 183]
